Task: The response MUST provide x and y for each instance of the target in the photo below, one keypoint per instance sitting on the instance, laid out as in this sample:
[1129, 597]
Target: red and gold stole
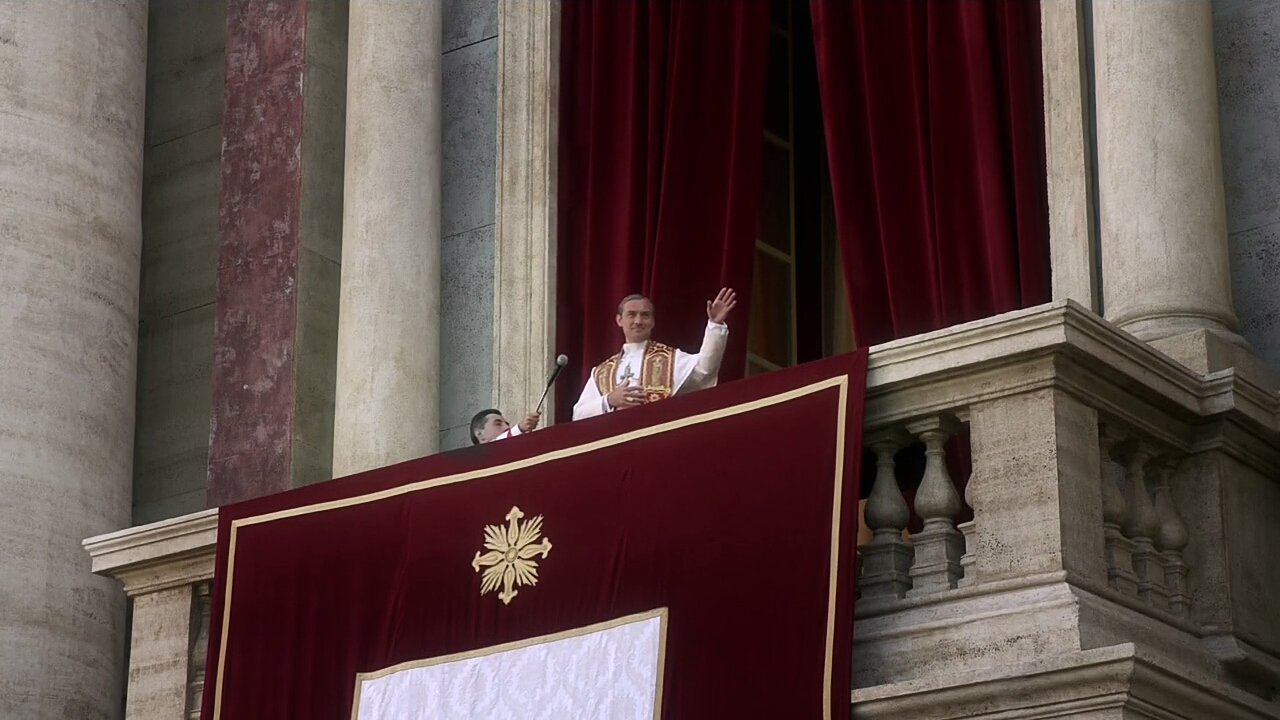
[657, 372]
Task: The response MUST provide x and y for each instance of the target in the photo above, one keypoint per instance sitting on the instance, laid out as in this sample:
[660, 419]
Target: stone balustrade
[1121, 505]
[1115, 565]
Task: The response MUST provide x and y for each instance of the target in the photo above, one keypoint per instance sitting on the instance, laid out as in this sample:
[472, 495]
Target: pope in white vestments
[646, 371]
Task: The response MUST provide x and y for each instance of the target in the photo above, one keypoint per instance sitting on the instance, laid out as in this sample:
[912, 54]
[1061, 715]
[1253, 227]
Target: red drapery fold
[935, 133]
[662, 110]
[934, 121]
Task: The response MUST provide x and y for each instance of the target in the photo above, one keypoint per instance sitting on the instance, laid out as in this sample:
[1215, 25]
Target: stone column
[524, 287]
[1069, 150]
[1165, 268]
[386, 404]
[279, 239]
[71, 119]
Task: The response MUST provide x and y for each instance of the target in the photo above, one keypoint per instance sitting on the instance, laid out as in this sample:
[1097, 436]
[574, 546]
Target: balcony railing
[1117, 564]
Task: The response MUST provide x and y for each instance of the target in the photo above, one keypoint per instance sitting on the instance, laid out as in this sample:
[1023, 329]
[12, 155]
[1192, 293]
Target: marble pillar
[1165, 266]
[71, 119]
[279, 239]
[388, 373]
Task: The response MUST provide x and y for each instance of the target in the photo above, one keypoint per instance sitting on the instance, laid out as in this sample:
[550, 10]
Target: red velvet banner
[734, 509]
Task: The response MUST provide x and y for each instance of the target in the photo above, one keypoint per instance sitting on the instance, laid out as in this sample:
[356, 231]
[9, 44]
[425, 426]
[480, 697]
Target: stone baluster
[1143, 524]
[199, 649]
[886, 558]
[1115, 513]
[968, 561]
[1170, 541]
[857, 573]
[939, 546]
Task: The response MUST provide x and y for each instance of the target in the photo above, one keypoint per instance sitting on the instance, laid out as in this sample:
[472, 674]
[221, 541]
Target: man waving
[645, 371]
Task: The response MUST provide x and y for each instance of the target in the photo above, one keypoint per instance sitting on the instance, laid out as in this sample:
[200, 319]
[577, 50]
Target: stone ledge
[1063, 345]
[164, 554]
[1099, 683]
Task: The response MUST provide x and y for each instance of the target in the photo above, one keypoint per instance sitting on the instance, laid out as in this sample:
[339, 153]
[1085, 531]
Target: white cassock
[693, 372]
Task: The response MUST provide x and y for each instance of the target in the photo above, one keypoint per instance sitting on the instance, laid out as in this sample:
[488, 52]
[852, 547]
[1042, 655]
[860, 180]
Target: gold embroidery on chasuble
[510, 560]
[657, 372]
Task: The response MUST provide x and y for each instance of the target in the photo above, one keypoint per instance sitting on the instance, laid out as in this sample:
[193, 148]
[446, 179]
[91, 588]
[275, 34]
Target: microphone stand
[552, 380]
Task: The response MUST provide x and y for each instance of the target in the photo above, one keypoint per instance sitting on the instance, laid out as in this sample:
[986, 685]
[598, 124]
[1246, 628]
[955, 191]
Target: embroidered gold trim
[657, 372]
[510, 560]
[606, 374]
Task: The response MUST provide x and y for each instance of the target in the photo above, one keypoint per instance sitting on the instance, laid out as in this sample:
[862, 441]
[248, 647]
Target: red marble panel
[255, 331]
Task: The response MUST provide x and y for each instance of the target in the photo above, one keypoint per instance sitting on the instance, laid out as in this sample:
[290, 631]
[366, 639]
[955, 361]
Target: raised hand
[530, 422]
[718, 309]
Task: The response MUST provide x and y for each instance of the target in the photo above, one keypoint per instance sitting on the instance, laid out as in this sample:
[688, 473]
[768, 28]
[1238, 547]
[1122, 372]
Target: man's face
[494, 425]
[636, 320]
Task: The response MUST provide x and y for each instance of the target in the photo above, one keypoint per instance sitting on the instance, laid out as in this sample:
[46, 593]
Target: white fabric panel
[608, 674]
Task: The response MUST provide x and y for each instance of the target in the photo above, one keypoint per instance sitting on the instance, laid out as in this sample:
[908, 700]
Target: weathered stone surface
[1068, 152]
[1247, 51]
[185, 77]
[279, 239]
[1165, 266]
[72, 84]
[1036, 600]
[166, 568]
[388, 375]
[525, 226]
[466, 334]
[158, 654]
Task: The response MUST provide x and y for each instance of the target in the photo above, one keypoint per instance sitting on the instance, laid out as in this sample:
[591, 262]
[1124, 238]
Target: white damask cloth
[606, 674]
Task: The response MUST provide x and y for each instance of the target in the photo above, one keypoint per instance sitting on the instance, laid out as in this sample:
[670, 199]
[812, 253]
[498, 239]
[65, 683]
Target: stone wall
[182, 166]
[185, 78]
[1247, 48]
[470, 96]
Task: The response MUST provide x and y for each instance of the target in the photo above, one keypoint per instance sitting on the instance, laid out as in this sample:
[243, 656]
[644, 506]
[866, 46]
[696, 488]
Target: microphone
[561, 361]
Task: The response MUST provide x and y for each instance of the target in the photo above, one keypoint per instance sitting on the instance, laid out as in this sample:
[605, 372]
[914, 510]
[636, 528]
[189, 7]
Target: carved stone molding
[167, 554]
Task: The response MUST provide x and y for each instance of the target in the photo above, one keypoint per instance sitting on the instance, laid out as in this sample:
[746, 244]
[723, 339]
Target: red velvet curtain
[934, 122]
[662, 110]
[935, 133]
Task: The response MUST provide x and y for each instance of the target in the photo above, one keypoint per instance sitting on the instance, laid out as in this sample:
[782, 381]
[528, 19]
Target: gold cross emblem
[509, 561]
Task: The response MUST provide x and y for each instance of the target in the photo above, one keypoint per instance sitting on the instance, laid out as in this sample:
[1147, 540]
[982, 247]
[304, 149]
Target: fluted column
[1165, 267]
[71, 119]
[386, 403]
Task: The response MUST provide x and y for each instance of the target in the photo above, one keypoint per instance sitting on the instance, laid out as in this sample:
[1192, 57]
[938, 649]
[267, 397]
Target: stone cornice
[1119, 676]
[165, 554]
[1062, 345]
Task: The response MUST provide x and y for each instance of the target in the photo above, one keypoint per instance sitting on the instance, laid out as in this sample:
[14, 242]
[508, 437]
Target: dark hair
[633, 296]
[477, 423]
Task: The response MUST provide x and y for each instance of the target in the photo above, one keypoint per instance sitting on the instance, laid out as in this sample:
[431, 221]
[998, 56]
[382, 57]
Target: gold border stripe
[833, 584]
[839, 381]
[560, 454]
